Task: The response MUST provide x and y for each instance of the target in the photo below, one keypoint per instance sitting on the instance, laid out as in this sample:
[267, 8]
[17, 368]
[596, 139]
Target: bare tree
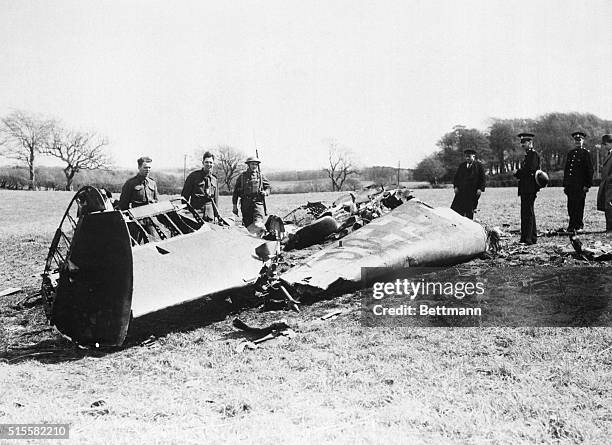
[341, 165]
[23, 135]
[79, 150]
[229, 164]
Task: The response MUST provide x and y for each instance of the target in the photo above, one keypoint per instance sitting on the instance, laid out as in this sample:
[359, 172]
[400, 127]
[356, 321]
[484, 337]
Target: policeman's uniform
[138, 191]
[577, 176]
[604, 194]
[250, 187]
[201, 191]
[527, 190]
[469, 178]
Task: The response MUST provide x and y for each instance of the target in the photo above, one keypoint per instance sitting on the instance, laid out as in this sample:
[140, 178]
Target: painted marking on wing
[392, 238]
[386, 220]
[412, 232]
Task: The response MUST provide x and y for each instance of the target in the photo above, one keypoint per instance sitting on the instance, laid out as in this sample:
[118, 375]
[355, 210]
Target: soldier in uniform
[201, 190]
[141, 189]
[604, 194]
[469, 183]
[527, 189]
[577, 179]
[251, 188]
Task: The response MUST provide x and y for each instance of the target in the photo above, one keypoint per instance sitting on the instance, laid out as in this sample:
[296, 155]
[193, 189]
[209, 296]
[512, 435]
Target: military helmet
[541, 178]
[252, 159]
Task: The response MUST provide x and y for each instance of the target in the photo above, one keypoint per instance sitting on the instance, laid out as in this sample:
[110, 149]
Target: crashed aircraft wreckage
[106, 266]
[413, 234]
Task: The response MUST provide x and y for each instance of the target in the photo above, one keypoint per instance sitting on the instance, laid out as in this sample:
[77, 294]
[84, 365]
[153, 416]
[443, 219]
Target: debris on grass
[274, 330]
[9, 291]
[97, 408]
[599, 252]
[149, 341]
[274, 327]
[332, 315]
[28, 302]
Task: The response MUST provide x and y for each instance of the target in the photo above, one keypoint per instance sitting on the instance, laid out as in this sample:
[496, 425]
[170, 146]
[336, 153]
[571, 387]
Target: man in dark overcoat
[469, 183]
[604, 194]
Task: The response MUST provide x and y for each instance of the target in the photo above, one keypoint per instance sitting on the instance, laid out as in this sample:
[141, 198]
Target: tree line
[499, 150]
[25, 136]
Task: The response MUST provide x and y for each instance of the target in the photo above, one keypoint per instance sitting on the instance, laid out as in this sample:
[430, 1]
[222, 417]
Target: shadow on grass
[46, 345]
[189, 316]
[518, 297]
[49, 351]
[49, 347]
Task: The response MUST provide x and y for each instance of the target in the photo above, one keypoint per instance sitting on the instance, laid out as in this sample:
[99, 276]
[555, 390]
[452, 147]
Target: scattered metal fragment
[97, 408]
[274, 330]
[267, 250]
[274, 327]
[600, 253]
[29, 301]
[494, 240]
[563, 232]
[149, 341]
[332, 315]
[291, 302]
[9, 291]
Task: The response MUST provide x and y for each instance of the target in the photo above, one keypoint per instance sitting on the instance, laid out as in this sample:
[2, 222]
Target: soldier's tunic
[527, 190]
[577, 175]
[201, 190]
[249, 187]
[604, 194]
[138, 191]
[468, 180]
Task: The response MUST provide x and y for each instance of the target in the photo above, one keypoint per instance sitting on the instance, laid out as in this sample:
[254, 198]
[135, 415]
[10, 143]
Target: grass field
[335, 382]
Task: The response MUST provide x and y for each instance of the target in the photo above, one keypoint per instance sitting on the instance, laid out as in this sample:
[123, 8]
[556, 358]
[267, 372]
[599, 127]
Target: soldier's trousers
[252, 210]
[529, 233]
[575, 208]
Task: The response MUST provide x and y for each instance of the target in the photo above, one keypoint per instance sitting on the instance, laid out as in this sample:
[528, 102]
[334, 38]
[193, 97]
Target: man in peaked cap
[577, 179]
[604, 194]
[469, 183]
[251, 188]
[528, 189]
[201, 189]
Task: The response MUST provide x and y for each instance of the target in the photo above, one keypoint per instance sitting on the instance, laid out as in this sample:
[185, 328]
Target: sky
[385, 79]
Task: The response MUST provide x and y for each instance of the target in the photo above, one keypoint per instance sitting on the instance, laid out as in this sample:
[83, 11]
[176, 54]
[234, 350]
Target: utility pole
[398, 174]
[184, 167]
